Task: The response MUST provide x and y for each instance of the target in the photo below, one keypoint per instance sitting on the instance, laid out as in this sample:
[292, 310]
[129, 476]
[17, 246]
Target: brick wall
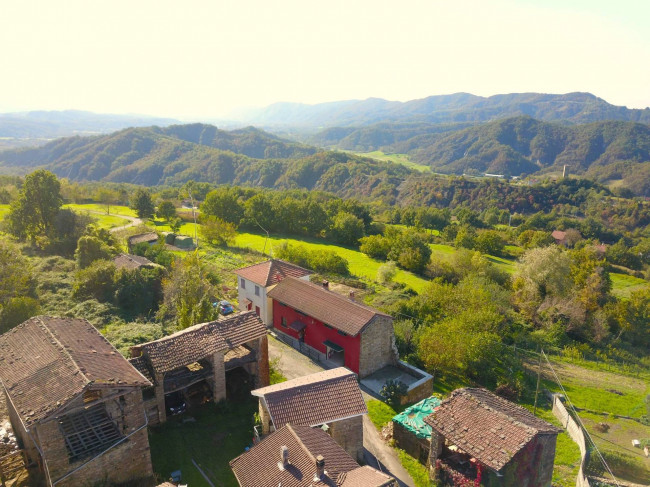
[348, 433]
[127, 461]
[263, 378]
[219, 377]
[377, 346]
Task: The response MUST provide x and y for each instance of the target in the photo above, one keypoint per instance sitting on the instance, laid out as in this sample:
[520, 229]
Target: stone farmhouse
[131, 262]
[343, 331]
[150, 238]
[204, 362]
[255, 281]
[300, 456]
[74, 403]
[482, 435]
[331, 400]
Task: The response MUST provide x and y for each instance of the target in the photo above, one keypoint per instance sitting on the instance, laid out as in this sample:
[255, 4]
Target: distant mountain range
[39, 125]
[456, 108]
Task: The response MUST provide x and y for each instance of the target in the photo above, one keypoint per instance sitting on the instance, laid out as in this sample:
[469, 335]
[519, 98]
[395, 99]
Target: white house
[254, 282]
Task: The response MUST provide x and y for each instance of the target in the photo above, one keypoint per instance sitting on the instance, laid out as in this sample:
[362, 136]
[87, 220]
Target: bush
[90, 249]
[322, 261]
[393, 391]
[96, 281]
[217, 231]
[386, 272]
[16, 311]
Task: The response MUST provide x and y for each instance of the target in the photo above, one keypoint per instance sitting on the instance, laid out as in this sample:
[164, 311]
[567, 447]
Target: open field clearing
[624, 285]
[402, 159]
[360, 264]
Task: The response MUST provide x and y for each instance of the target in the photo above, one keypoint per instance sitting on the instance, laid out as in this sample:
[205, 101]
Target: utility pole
[539, 373]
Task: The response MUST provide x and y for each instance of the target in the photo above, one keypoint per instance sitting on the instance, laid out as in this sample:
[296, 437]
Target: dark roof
[314, 399]
[258, 467]
[45, 362]
[199, 341]
[326, 306]
[143, 237]
[128, 261]
[486, 426]
[140, 364]
[271, 272]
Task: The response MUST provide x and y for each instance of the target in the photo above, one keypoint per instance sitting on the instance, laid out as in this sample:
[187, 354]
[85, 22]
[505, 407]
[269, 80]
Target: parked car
[175, 403]
[225, 308]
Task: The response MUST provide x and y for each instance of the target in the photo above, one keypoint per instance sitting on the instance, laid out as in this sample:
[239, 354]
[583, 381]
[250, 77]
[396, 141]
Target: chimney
[326, 284]
[320, 468]
[284, 458]
[351, 295]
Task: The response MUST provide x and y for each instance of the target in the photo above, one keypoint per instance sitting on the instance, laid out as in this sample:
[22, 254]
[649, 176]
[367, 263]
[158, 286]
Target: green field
[443, 251]
[402, 159]
[360, 264]
[92, 207]
[624, 285]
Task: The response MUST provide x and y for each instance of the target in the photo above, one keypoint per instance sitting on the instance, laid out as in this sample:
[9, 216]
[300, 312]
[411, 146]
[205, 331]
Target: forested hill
[604, 151]
[455, 108]
[153, 156]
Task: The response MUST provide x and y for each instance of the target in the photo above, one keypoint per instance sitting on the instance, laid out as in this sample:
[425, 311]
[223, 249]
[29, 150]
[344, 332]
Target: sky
[207, 59]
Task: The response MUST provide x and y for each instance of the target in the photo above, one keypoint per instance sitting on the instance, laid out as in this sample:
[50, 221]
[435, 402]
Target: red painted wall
[316, 333]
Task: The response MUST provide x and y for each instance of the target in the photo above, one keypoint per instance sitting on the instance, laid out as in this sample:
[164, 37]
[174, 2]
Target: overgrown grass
[275, 373]
[623, 285]
[218, 434]
[381, 413]
[4, 209]
[360, 264]
[416, 470]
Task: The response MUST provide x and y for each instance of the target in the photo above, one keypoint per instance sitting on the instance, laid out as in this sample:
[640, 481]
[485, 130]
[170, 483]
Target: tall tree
[142, 203]
[32, 214]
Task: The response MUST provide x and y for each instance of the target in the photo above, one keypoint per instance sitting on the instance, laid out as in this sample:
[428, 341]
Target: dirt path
[134, 220]
[377, 453]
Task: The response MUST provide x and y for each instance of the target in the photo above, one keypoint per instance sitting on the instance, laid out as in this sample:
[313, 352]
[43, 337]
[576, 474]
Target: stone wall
[219, 377]
[348, 433]
[127, 461]
[406, 440]
[377, 346]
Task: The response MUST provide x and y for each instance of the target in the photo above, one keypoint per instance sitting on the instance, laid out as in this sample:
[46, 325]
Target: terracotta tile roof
[366, 476]
[45, 362]
[143, 237]
[199, 341]
[314, 399]
[558, 235]
[258, 467]
[486, 426]
[128, 261]
[142, 366]
[329, 307]
[271, 272]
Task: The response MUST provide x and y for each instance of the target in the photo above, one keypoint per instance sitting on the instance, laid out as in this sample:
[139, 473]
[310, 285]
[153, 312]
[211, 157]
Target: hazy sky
[205, 58]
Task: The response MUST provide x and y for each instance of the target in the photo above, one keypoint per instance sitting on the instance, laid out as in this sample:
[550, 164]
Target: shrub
[95, 281]
[393, 391]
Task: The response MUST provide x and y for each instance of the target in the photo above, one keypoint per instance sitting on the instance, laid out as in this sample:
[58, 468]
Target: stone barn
[330, 399]
[300, 456]
[411, 433]
[483, 436]
[222, 359]
[75, 403]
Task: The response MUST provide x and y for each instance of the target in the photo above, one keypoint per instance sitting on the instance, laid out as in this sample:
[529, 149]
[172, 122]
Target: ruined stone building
[75, 403]
[300, 456]
[330, 399]
[209, 361]
[477, 433]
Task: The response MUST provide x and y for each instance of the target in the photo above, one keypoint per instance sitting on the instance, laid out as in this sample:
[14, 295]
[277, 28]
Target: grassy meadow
[402, 159]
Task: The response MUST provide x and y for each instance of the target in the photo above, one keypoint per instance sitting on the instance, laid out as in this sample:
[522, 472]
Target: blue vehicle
[225, 308]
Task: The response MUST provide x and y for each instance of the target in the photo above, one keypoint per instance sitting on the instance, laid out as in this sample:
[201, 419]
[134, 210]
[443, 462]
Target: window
[257, 290]
[342, 333]
[243, 283]
[328, 326]
[284, 321]
[88, 432]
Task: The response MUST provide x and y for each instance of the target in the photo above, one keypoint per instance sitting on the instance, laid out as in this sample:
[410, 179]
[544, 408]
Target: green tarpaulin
[412, 418]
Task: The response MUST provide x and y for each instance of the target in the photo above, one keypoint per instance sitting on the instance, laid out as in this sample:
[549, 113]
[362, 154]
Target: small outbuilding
[331, 399]
[411, 433]
[495, 442]
[132, 262]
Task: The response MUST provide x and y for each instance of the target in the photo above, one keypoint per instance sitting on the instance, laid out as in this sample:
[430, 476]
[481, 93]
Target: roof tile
[271, 272]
